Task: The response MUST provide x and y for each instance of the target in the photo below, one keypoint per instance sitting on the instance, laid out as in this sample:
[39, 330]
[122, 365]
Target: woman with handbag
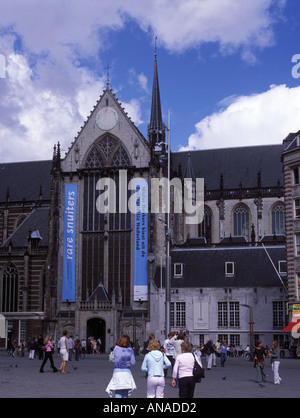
[184, 366]
[48, 347]
[155, 362]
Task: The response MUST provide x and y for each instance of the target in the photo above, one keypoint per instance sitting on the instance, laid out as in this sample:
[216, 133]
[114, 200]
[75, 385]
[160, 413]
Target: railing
[95, 306]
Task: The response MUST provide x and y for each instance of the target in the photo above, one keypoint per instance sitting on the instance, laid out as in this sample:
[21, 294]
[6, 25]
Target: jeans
[121, 393]
[260, 373]
[223, 359]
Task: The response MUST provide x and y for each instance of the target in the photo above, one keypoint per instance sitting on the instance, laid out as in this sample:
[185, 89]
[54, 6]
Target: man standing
[169, 351]
[70, 347]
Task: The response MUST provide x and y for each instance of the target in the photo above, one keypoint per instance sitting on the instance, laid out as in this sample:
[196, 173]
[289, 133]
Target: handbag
[198, 371]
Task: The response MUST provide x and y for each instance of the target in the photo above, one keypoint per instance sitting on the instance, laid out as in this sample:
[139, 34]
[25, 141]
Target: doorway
[96, 328]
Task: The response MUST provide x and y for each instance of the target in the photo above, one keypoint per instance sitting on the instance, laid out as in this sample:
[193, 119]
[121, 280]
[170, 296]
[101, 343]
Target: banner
[141, 240]
[69, 245]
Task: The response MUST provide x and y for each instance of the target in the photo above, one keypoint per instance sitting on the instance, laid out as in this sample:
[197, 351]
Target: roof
[237, 165]
[205, 267]
[25, 180]
[100, 294]
[36, 222]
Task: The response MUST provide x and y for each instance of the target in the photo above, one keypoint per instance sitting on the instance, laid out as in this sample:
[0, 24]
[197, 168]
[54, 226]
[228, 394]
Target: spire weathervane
[107, 75]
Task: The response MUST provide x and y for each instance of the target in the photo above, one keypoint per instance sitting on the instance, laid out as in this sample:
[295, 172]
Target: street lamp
[251, 326]
[168, 240]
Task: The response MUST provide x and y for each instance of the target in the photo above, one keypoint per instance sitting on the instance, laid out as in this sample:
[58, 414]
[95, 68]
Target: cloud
[53, 50]
[265, 118]
[232, 24]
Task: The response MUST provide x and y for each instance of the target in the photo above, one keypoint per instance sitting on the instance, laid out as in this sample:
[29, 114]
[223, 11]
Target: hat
[153, 345]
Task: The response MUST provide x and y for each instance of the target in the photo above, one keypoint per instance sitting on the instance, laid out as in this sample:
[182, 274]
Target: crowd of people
[176, 355]
[34, 347]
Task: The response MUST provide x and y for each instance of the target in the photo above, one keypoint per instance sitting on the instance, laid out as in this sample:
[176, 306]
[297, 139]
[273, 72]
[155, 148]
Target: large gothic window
[10, 289]
[278, 219]
[241, 221]
[107, 152]
[106, 237]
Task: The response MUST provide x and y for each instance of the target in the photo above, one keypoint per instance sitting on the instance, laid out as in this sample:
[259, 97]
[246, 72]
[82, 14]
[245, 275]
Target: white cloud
[265, 118]
[233, 24]
[47, 94]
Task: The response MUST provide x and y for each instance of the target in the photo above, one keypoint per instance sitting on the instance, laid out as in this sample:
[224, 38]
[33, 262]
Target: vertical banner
[69, 246]
[141, 240]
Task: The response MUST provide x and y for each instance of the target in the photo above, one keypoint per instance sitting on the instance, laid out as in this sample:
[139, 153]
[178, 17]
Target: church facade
[83, 248]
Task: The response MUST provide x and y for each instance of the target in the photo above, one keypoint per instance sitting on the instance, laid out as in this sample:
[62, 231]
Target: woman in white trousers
[155, 362]
[275, 359]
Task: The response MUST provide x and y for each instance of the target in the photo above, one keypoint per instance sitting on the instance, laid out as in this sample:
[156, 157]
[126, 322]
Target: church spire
[156, 127]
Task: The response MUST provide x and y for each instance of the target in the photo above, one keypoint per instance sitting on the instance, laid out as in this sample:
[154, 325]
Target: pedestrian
[259, 364]
[197, 352]
[177, 340]
[77, 349]
[122, 381]
[154, 363]
[99, 342]
[184, 366]
[223, 353]
[40, 343]
[275, 361]
[208, 351]
[32, 347]
[64, 352]
[146, 343]
[48, 354]
[169, 351]
[70, 347]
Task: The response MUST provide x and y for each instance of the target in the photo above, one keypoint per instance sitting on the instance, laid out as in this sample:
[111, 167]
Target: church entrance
[96, 328]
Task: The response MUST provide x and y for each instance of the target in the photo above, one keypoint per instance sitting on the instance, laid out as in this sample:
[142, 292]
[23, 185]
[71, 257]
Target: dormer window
[229, 268]
[282, 267]
[178, 269]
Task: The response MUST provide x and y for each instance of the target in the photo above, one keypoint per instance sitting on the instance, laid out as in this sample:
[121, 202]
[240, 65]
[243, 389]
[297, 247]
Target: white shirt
[184, 365]
[169, 347]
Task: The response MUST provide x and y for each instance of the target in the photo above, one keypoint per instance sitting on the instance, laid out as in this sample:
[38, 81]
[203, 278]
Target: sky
[229, 71]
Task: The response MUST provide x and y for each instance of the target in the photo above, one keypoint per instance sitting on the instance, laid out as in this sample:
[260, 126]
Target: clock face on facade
[106, 118]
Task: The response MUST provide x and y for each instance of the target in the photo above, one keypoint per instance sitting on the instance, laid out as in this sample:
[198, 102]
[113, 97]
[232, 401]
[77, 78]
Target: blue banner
[69, 245]
[141, 240]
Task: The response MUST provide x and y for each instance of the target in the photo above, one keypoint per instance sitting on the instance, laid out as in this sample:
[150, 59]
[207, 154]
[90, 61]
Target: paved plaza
[88, 378]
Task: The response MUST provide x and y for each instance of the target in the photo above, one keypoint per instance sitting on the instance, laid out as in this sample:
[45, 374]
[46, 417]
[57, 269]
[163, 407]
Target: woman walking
[155, 362]
[48, 355]
[122, 381]
[275, 360]
[184, 366]
[259, 358]
[64, 352]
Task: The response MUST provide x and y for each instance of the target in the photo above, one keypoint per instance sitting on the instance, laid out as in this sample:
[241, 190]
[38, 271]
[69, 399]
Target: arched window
[10, 289]
[241, 221]
[278, 219]
[205, 225]
[107, 152]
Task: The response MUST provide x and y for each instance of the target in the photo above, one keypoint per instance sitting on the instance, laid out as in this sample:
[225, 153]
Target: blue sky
[225, 69]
